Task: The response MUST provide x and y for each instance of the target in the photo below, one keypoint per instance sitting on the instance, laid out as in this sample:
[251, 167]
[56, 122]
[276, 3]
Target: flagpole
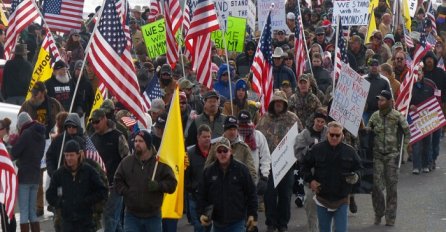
[229, 70]
[305, 43]
[394, 20]
[338, 20]
[183, 38]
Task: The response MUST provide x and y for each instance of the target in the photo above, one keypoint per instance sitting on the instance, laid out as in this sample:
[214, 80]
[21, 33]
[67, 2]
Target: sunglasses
[222, 150]
[95, 121]
[72, 126]
[335, 135]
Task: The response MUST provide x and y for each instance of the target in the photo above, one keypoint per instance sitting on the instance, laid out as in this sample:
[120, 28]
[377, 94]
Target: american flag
[430, 105]
[341, 53]
[262, 66]
[103, 90]
[23, 14]
[112, 62]
[407, 38]
[8, 181]
[128, 121]
[63, 15]
[155, 10]
[173, 20]
[187, 16]
[93, 154]
[422, 48]
[299, 44]
[152, 91]
[405, 93]
[430, 15]
[198, 40]
[50, 46]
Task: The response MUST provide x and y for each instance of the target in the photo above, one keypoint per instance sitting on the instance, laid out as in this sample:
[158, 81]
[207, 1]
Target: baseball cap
[59, 64]
[244, 117]
[210, 94]
[385, 94]
[98, 114]
[223, 142]
[230, 122]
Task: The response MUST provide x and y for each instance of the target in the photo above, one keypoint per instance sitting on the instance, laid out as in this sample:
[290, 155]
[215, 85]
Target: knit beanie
[23, 119]
[146, 136]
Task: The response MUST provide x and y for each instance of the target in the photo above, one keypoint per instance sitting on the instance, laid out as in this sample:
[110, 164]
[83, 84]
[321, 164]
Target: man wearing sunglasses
[112, 147]
[227, 188]
[332, 167]
[388, 125]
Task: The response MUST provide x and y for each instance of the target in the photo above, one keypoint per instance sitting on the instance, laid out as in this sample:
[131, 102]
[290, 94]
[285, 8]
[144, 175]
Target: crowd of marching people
[101, 162]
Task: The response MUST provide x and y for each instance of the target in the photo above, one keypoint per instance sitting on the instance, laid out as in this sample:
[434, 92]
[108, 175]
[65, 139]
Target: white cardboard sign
[282, 158]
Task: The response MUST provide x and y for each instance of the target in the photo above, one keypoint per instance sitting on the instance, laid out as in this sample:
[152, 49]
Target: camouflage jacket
[275, 127]
[304, 107]
[388, 125]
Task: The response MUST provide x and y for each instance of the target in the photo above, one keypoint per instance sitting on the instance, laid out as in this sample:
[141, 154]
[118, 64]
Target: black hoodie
[437, 75]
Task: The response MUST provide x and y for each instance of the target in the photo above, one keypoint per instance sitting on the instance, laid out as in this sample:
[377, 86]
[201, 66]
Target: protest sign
[282, 158]
[252, 11]
[426, 119]
[155, 38]
[412, 7]
[234, 35]
[351, 12]
[278, 16]
[349, 99]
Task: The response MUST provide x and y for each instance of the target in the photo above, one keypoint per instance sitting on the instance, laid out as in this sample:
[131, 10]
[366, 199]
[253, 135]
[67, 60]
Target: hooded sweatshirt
[437, 75]
[222, 87]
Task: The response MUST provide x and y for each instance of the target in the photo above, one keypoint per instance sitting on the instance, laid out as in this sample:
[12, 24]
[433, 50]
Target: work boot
[24, 227]
[377, 220]
[390, 222]
[35, 227]
[353, 207]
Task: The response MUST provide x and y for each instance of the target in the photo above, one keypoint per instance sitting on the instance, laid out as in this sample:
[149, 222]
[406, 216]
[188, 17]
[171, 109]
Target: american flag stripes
[50, 45]
[93, 154]
[407, 38]
[187, 16]
[173, 20]
[432, 106]
[262, 67]
[341, 53]
[112, 62]
[22, 15]
[430, 15]
[405, 91]
[155, 10]
[8, 181]
[421, 48]
[198, 40]
[63, 15]
[128, 121]
[299, 44]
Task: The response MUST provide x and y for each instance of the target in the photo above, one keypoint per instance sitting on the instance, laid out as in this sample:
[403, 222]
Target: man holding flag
[143, 181]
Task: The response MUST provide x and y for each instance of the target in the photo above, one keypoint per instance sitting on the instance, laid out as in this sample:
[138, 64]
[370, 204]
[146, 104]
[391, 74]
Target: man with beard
[438, 76]
[42, 107]
[400, 66]
[167, 83]
[61, 87]
[357, 48]
[152, 179]
[211, 116]
[377, 84]
[387, 124]
[244, 60]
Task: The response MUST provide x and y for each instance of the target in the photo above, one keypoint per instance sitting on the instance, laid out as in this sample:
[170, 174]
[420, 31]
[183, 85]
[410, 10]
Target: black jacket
[232, 194]
[16, 77]
[422, 90]
[437, 75]
[330, 163]
[377, 84]
[323, 78]
[194, 173]
[28, 151]
[79, 193]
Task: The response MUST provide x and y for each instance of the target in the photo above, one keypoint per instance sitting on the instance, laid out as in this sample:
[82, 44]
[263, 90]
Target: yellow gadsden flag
[372, 27]
[42, 70]
[172, 152]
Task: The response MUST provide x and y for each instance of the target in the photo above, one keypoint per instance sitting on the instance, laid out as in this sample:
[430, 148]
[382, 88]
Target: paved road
[421, 206]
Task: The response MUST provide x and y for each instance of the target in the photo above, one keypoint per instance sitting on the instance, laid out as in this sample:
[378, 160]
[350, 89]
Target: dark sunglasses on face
[334, 135]
[71, 126]
[95, 121]
[222, 150]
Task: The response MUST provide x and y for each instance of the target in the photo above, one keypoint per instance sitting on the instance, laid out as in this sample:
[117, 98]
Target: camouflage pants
[385, 176]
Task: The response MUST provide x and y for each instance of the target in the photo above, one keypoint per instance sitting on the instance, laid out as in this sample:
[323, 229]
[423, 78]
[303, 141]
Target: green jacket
[388, 126]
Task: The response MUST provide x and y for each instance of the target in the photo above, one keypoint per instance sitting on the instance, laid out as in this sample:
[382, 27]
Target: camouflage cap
[108, 105]
[223, 142]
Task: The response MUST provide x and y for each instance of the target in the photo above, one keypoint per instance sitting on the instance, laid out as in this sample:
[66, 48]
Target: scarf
[247, 132]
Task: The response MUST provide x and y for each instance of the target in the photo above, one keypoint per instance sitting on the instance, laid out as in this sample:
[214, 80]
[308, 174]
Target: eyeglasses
[334, 135]
[72, 126]
[222, 150]
[95, 121]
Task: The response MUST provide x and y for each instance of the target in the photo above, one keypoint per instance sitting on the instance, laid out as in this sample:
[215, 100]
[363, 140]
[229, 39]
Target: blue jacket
[223, 87]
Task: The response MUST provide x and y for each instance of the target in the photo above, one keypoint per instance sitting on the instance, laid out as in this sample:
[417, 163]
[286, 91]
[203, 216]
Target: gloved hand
[352, 179]
[153, 185]
[250, 223]
[186, 161]
[204, 220]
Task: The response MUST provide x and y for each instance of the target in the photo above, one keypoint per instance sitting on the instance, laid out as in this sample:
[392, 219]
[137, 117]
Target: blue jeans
[194, 217]
[326, 217]
[234, 227]
[169, 225]
[112, 212]
[277, 201]
[436, 144]
[27, 202]
[137, 224]
[422, 153]
[366, 117]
